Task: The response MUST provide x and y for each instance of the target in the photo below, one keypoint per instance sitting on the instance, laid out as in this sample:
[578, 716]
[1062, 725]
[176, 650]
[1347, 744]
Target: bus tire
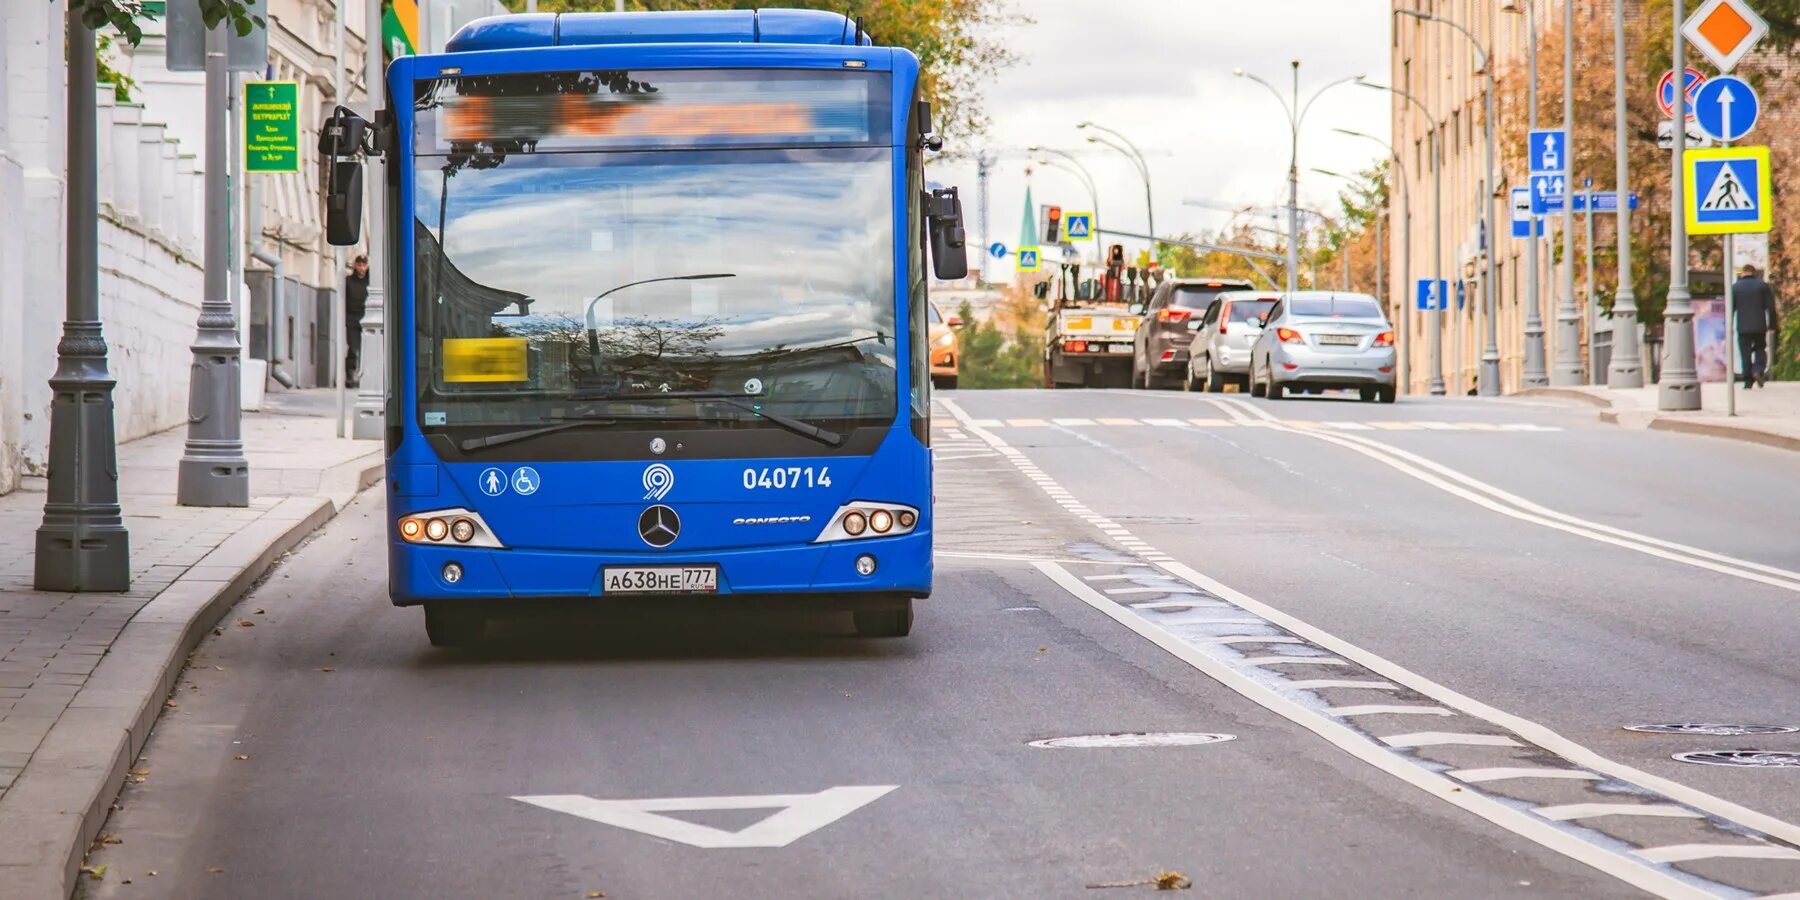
[450, 626]
[884, 623]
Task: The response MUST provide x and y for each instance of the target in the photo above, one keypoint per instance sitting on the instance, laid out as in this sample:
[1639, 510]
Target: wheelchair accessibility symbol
[525, 481]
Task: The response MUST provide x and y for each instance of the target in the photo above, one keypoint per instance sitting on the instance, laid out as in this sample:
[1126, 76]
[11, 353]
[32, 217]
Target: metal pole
[213, 470]
[1568, 318]
[1679, 388]
[1731, 345]
[1437, 265]
[1593, 304]
[82, 544]
[1488, 379]
[1380, 286]
[1293, 247]
[370, 418]
[339, 312]
[1535, 376]
[1625, 368]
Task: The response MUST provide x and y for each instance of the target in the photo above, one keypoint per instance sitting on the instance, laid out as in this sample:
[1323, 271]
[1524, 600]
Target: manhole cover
[1133, 739]
[1767, 758]
[1718, 730]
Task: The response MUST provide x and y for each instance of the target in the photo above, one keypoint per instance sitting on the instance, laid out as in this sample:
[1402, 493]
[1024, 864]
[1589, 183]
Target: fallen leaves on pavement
[1164, 881]
[246, 623]
[215, 870]
[94, 872]
[243, 756]
[327, 669]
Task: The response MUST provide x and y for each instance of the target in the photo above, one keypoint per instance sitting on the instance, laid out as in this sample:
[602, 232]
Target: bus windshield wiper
[875, 336]
[563, 423]
[729, 398]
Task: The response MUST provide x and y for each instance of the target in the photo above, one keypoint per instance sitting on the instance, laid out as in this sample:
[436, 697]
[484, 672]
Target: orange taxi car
[943, 347]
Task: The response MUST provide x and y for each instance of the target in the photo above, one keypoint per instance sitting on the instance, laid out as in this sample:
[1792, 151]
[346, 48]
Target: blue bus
[659, 324]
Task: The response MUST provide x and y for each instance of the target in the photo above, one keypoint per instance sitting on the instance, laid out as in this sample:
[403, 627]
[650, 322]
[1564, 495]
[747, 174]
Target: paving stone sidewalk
[1768, 415]
[189, 560]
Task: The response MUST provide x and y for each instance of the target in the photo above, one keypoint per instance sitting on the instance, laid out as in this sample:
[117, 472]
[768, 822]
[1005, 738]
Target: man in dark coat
[356, 295]
[1754, 302]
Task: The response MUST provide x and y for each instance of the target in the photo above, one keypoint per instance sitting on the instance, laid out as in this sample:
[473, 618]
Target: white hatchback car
[1324, 339]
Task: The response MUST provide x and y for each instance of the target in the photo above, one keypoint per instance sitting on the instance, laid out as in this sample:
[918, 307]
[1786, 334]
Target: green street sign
[272, 126]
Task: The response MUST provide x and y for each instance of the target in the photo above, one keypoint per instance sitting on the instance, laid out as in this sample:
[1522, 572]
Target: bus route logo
[658, 480]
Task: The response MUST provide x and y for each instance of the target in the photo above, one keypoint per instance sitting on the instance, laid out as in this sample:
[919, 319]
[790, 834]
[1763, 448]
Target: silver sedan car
[1314, 340]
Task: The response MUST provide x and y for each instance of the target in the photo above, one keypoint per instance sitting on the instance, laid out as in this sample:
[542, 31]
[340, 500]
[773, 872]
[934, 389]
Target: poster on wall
[1713, 354]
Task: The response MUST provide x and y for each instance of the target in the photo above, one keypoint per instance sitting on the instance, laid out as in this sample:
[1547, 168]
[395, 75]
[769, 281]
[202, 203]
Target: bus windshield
[612, 281]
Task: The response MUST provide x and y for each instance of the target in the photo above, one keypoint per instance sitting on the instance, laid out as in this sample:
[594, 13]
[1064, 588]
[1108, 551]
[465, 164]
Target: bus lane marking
[795, 815]
[1409, 757]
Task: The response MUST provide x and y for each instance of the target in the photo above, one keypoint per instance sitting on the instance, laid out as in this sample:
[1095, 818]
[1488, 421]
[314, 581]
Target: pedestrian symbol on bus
[492, 482]
[525, 481]
[1728, 191]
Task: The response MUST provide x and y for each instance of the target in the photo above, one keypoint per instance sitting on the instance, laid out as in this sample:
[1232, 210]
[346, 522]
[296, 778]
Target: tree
[956, 41]
[1006, 350]
[123, 15]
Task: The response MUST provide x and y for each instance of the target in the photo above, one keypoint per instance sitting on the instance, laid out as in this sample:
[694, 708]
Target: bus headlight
[453, 527]
[868, 519]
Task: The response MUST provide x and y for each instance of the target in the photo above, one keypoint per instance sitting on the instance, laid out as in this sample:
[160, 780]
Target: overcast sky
[1160, 72]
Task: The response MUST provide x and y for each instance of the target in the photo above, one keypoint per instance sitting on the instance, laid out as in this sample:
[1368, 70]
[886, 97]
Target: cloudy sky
[1160, 72]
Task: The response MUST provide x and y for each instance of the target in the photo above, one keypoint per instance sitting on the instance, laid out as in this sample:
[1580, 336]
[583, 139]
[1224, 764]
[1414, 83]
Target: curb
[1730, 432]
[55, 809]
[1566, 394]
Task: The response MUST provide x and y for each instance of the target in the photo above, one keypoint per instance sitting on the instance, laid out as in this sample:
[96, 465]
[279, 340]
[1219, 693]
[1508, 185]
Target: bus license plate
[660, 580]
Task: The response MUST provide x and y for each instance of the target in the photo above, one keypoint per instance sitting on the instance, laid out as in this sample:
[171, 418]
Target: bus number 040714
[790, 477]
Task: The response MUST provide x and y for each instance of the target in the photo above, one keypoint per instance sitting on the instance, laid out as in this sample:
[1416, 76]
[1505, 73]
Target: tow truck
[1088, 339]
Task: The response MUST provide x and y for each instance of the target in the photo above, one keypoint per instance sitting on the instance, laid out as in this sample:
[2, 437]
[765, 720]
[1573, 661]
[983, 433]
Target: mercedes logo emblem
[658, 445]
[658, 526]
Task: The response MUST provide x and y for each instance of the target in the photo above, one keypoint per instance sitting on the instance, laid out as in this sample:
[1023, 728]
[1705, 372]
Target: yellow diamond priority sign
[1724, 30]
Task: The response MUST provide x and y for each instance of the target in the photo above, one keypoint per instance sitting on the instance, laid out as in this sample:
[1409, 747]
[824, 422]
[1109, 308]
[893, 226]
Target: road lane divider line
[1595, 810]
[1377, 709]
[1497, 500]
[1606, 852]
[1689, 852]
[1638, 873]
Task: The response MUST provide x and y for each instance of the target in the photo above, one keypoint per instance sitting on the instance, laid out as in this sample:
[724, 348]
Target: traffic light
[1051, 226]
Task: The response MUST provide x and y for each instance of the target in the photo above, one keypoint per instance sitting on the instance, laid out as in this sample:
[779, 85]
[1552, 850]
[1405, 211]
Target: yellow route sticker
[484, 360]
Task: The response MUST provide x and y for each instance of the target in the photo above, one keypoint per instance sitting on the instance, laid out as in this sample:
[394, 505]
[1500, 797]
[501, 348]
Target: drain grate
[1132, 739]
[1714, 729]
[1774, 759]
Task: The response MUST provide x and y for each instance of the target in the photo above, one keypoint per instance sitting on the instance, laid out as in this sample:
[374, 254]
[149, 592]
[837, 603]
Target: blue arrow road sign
[1602, 202]
[1726, 108]
[1428, 299]
[1547, 194]
[1549, 151]
[997, 250]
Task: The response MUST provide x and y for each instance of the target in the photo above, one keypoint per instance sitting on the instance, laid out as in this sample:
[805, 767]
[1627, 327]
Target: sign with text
[271, 126]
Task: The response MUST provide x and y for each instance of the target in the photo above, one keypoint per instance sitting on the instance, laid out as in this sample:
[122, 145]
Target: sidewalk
[83, 676]
[1768, 415]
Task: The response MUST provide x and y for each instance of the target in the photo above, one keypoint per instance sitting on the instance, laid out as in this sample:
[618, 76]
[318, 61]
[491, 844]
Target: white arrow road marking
[796, 816]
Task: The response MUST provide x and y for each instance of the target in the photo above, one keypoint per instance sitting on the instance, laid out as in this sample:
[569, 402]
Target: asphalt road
[1479, 595]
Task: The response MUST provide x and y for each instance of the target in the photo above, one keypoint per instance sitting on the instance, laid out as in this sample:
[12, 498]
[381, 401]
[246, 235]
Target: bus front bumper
[902, 567]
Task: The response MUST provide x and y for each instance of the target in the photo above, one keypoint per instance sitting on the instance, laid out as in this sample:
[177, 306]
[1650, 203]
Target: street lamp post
[1296, 116]
[82, 544]
[1488, 378]
[1568, 371]
[1436, 341]
[1626, 367]
[1132, 153]
[1345, 250]
[1405, 252]
[370, 417]
[1067, 161]
[1535, 376]
[1679, 388]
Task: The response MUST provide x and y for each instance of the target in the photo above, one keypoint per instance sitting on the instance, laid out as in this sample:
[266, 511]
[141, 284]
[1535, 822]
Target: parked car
[1220, 353]
[1324, 339]
[942, 331]
[1160, 345]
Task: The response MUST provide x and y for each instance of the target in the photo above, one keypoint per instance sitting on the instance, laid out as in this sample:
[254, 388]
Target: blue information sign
[1726, 108]
[1547, 194]
[1549, 151]
[1428, 299]
[997, 250]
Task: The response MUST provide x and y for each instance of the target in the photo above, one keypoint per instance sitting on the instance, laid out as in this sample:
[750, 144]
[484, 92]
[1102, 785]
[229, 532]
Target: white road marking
[1595, 810]
[1319, 683]
[1504, 773]
[1451, 738]
[1073, 421]
[1179, 604]
[1675, 853]
[1110, 577]
[1376, 709]
[1027, 423]
[1346, 426]
[1013, 557]
[1211, 423]
[1294, 660]
[1493, 498]
[1119, 422]
[1631, 871]
[1166, 423]
[1255, 639]
[1174, 589]
[796, 816]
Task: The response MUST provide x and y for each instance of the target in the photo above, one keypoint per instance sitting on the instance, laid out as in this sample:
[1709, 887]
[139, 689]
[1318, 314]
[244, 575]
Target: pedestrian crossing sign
[1028, 259]
[1078, 226]
[1727, 190]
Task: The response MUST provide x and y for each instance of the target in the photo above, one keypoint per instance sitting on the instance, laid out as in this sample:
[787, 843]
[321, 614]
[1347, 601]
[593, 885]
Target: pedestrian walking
[1754, 301]
[356, 294]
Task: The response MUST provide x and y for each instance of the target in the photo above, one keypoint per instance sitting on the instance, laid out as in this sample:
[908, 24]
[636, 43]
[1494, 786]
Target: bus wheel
[880, 623]
[449, 626]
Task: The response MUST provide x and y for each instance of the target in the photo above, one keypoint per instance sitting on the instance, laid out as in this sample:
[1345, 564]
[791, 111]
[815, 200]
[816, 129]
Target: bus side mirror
[949, 256]
[341, 141]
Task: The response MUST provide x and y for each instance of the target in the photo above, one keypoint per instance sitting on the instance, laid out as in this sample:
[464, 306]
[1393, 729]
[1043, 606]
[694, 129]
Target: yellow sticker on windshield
[477, 360]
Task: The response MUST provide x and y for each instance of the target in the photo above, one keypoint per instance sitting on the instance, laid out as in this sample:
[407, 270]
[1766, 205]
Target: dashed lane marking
[1418, 757]
[1203, 422]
